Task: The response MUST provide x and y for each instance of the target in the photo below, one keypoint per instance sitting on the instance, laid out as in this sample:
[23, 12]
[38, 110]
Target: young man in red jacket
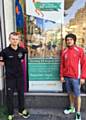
[73, 73]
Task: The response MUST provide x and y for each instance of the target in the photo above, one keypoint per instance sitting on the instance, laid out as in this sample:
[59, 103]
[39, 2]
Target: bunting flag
[19, 15]
[52, 10]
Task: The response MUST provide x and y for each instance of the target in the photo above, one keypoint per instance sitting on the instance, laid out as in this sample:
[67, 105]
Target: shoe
[69, 110]
[78, 116]
[24, 114]
[10, 117]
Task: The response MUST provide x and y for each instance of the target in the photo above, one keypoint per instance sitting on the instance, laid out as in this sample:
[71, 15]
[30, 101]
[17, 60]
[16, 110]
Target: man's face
[70, 42]
[14, 40]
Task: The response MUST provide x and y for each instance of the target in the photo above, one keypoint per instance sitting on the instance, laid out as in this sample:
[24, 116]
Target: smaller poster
[44, 74]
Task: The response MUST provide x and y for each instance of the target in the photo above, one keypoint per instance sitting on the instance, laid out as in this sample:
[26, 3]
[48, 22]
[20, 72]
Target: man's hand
[1, 62]
[62, 79]
[82, 81]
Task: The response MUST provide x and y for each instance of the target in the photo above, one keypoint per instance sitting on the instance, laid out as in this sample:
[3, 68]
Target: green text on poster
[43, 69]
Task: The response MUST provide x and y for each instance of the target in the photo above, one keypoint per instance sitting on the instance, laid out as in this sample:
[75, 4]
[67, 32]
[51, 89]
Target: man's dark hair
[73, 36]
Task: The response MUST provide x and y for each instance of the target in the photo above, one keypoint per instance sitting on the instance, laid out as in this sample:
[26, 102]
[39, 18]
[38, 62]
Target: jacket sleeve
[83, 65]
[61, 65]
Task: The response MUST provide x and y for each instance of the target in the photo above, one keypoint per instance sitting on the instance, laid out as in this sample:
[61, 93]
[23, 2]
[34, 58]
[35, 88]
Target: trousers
[13, 85]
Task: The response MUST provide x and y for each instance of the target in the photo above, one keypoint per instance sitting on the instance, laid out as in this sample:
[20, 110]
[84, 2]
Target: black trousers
[12, 85]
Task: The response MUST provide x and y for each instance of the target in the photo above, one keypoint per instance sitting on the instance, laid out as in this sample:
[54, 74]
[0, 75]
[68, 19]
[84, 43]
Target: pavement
[48, 114]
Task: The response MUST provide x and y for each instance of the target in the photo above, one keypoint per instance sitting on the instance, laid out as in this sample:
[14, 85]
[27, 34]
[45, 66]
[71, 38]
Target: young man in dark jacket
[12, 57]
[73, 72]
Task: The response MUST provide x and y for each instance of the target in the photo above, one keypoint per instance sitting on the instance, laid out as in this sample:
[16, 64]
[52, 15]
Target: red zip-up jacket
[73, 63]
